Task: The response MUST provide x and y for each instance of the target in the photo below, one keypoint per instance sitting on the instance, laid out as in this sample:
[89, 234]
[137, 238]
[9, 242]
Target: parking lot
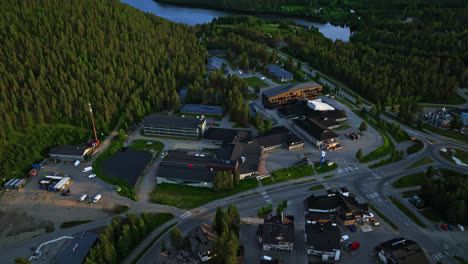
[35, 209]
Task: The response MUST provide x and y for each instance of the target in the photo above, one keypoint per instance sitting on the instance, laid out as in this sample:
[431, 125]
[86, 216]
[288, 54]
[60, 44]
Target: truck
[97, 198]
[87, 169]
[77, 162]
[83, 197]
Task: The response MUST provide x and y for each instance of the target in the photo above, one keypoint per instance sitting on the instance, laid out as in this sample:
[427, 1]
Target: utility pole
[92, 119]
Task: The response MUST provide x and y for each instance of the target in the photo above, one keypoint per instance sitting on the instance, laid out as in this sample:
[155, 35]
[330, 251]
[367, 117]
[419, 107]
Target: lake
[194, 16]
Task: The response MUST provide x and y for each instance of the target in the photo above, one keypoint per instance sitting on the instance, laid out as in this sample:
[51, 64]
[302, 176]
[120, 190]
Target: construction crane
[94, 142]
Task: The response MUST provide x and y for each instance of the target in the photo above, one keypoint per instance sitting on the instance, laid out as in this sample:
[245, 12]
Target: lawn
[421, 162]
[431, 215]
[188, 197]
[292, 173]
[386, 148]
[252, 96]
[316, 187]
[255, 82]
[383, 162]
[141, 144]
[407, 212]
[271, 28]
[411, 180]
[324, 168]
[267, 181]
[460, 154]
[417, 146]
[73, 223]
[410, 193]
[383, 217]
[460, 260]
[447, 133]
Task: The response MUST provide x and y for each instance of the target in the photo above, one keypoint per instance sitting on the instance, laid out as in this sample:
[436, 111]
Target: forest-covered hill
[58, 56]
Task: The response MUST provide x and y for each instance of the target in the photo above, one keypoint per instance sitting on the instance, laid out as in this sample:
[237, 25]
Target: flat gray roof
[205, 109]
[173, 121]
[72, 150]
[278, 71]
[76, 250]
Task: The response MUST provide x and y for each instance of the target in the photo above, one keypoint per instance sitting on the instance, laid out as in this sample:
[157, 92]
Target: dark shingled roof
[186, 173]
[289, 87]
[278, 135]
[174, 256]
[173, 121]
[333, 201]
[193, 157]
[227, 135]
[204, 109]
[315, 129]
[76, 250]
[251, 153]
[273, 228]
[279, 72]
[214, 64]
[405, 251]
[68, 150]
[323, 236]
[201, 237]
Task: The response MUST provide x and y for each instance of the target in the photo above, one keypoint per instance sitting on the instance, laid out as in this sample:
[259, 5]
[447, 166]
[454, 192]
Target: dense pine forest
[58, 56]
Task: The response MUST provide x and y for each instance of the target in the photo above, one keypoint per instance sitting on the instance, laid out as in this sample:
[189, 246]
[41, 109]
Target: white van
[87, 169]
[77, 163]
[97, 198]
[92, 176]
[83, 197]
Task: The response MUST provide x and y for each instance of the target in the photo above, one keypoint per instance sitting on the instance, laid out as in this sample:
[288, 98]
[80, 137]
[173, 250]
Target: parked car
[240, 72]
[92, 176]
[97, 198]
[352, 228]
[263, 78]
[461, 228]
[83, 197]
[450, 227]
[444, 227]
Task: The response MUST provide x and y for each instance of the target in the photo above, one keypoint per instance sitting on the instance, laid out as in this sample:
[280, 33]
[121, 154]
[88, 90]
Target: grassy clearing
[142, 145]
[114, 146]
[383, 217]
[460, 154]
[73, 223]
[324, 168]
[410, 193]
[384, 162]
[385, 149]
[188, 197]
[411, 180]
[343, 126]
[329, 176]
[407, 212]
[421, 162]
[447, 133]
[152, 242]
[255, 82]
[251, 96]
[267, 181]
[431, 215]
[417, 146]
[316, 187]
[292, 173]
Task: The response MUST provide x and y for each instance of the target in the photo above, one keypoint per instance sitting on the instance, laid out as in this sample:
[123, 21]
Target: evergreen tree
[176, 238]
[359, 154]
[123, 247]
[363, 126]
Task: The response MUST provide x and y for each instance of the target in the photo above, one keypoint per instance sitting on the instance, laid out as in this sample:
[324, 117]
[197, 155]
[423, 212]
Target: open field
[411, 180]
[290, 173]
[421, 162]
[188, 197]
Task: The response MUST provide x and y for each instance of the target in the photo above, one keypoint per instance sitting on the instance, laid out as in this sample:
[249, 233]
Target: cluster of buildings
[322, 235]
[239, 151]
[290, 94]
[443, 118]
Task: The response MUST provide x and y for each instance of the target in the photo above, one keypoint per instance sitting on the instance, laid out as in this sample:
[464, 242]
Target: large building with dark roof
[290, 94]
[174, 256]
[279, 73]
[401, 251]
[76, 250]
[69, 152]
[199, 109]
[318, 134]
[323, 240]
[174, 126]
[277, 233]
[226, 136]
[215, 64]
[279, 137]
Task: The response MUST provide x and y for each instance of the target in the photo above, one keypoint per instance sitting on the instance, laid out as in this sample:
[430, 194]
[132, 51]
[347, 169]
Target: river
[193, 16]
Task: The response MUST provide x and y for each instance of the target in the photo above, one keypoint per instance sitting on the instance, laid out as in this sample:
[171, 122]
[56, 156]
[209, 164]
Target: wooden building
[290, 94]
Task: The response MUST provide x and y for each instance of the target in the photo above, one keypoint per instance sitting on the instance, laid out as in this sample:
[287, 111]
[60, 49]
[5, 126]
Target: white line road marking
[185, 215]
[340, 171]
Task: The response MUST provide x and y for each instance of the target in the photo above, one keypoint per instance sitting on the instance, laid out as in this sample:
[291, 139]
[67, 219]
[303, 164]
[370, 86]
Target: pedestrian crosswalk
[267, 197]
[345, 167]
[185, 215]
[439, 255]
